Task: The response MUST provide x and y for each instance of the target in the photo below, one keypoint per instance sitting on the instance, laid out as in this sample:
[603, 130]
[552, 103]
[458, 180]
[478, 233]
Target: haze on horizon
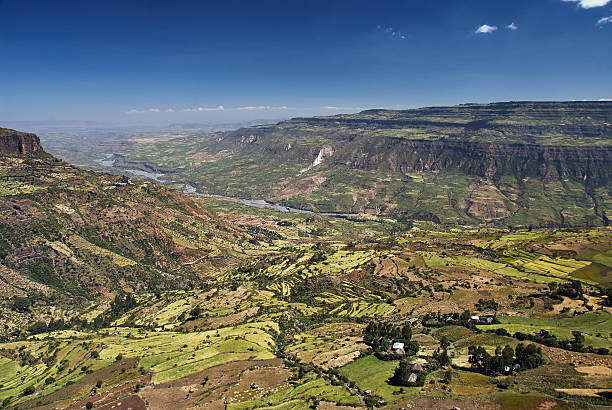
[154, 63]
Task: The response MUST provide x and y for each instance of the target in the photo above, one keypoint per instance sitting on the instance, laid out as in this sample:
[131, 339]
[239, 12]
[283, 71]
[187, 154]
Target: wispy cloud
[260, 108]
[392, 32]
[212, 109]
[604, 20]
[338, 108]
[512, 26]
[589, 4]
[217, 108]
[485, 28]
[143, 111]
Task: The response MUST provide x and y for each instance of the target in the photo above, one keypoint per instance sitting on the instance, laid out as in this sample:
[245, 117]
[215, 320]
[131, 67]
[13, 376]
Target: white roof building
[397, 345]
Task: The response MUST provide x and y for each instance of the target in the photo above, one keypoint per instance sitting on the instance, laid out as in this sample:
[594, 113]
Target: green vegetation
[115, 290]
[483, 163]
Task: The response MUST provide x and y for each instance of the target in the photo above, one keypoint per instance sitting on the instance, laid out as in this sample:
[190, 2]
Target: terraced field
[181, 307]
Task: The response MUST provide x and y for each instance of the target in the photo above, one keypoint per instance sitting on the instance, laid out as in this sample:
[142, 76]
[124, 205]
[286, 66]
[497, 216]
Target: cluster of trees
[487, 304]
[526, 357]
[572, 290]
[576, 344]
[456, 319]
[122, 303]
[381, 336]
[405, 375]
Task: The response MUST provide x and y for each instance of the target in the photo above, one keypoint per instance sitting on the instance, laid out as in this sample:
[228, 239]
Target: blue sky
[163, 62]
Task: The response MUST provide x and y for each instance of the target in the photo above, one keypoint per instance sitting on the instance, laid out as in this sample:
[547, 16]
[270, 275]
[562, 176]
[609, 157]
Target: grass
[596, 327]
[370, 373]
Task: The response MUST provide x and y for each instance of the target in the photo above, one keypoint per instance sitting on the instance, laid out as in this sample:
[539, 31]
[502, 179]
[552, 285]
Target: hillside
[118, 293]
[70, 237]
[519, 164]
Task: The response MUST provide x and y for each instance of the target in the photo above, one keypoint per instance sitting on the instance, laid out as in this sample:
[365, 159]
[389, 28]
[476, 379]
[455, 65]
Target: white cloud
[217, 108]
[169, 110]
[392, 32]
[589, 4]
[259, 108]
[143, 111]
[605, 99]
[512, 26]
[485, 28]
[604, 20]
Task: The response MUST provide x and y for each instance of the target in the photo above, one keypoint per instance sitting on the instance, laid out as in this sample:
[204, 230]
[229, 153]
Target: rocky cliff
[17, 143]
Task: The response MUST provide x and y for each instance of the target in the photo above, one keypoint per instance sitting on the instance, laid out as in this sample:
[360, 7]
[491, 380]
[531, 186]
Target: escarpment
[18, 143]
[590, 164]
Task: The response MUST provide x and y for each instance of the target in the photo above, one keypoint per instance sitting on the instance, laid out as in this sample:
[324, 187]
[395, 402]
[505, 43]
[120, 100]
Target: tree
[89, 405]
[403, 375]
[406, 332]
[21, 304]
[444, 343]
[448, 376]
[578, 342]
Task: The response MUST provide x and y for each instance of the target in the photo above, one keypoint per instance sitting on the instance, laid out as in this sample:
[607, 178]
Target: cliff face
[588, 164]
[17, 143]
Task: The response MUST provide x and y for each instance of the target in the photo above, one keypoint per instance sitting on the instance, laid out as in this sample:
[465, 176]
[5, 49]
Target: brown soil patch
[133, 402]
[226, 383]
[595, 370]
[302, 186]
[571, 304]
[583, 392]
[222, 321]
[567, 357]
[443, 403]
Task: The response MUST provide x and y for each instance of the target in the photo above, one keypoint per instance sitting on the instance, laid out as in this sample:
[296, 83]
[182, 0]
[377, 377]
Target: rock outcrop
[17, 143]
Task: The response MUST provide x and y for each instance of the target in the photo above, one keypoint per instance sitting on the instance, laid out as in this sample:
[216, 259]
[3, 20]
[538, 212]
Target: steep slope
[17, 143]
[69, 237]
[524, 163]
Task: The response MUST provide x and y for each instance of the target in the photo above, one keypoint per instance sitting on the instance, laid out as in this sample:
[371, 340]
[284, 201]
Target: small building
[397, 345]
[417, 367]
[476, 318]
[412, 378]
[507, 369]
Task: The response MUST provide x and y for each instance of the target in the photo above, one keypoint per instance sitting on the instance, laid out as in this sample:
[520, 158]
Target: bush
[28, 391]
[89, 405]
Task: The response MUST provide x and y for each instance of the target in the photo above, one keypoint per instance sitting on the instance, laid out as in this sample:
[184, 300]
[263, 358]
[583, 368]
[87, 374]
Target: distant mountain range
[543, 164]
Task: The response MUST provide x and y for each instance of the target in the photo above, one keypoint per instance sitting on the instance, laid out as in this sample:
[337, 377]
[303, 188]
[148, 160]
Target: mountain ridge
[518, 163]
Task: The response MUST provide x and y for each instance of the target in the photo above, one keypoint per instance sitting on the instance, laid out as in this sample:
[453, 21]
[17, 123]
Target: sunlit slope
[541, 164]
